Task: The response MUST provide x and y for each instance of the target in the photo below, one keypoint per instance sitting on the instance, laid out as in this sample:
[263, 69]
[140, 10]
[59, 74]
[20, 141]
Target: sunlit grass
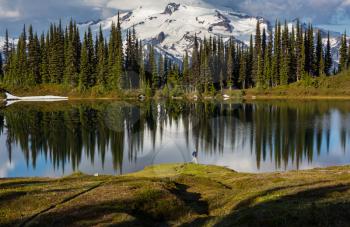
[180, 194]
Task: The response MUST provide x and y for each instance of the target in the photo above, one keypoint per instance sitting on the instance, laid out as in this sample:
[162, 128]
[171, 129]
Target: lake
[113, 137]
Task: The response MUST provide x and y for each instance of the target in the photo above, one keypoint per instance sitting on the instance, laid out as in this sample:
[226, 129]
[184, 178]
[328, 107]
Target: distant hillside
[333, 86]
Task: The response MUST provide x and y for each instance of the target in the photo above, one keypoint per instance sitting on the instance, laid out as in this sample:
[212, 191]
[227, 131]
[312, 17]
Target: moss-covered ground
[180, 195]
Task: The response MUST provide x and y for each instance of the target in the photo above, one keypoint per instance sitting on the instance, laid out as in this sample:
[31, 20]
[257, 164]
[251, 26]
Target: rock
[171, 8]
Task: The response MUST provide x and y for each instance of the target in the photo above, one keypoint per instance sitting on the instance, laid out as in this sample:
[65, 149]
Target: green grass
[72, 93]
[180, 195]
[322, 87]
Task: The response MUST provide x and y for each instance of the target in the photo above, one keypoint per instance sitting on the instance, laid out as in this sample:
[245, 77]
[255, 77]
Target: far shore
[216, 98]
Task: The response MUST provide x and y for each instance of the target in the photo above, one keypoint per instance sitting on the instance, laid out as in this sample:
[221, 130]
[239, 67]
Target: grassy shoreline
[323, 88]
[250, 94]
[180, 195]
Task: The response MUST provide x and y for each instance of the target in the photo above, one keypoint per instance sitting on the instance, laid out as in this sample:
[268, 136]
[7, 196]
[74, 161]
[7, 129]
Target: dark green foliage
[328, 61]
[269, 60]
[102, 60]
[6, 49]
[319, 60]
[343, 61]
[72, 60]
[277, 56]
[84, 65]
[153, 79]
[34, 58]
[186, 71]
[1, 68]
[287, 56]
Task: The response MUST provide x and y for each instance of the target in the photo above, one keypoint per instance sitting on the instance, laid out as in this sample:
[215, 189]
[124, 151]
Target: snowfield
[173, 28]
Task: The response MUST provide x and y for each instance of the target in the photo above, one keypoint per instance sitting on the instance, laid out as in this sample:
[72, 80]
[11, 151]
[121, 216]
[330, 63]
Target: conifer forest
[121, 62]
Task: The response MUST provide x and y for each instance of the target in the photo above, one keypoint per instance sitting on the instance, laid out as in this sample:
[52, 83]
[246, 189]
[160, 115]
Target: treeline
[344, 54]
[269, 60]
[60, 57]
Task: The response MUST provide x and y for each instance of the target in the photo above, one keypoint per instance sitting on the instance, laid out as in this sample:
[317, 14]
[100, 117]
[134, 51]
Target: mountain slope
[2, 42]
[172, 29]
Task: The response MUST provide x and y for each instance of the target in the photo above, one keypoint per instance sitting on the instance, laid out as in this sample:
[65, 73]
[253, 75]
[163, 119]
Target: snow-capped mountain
[2, 42]
[173, 28]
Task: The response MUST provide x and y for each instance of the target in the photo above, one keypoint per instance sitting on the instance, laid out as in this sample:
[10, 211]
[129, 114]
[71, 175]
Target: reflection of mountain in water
[65, 133]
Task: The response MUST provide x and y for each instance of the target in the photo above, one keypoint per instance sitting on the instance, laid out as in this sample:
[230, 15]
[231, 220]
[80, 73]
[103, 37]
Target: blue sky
[13, 13]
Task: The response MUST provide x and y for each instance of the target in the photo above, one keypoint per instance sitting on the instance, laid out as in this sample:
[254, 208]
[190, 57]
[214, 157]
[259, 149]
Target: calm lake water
[56, 139]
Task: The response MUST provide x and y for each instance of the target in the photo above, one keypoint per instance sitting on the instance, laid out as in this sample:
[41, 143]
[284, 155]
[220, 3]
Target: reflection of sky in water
[171, 147]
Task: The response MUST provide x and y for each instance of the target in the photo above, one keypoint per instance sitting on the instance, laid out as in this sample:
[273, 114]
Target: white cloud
[9, 14]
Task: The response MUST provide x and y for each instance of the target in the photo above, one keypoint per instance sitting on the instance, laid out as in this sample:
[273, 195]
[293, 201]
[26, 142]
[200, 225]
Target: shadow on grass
[191, 199]
[17, 184]
[305, 208]
[8, 196]
[149, 208]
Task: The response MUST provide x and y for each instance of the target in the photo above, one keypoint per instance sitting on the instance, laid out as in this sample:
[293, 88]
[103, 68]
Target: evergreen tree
[186, 71]
[6, 48]
[1, 69]
[263, 42]
[249, 64]
[285, 56]
[71, 72]
[161, 72]
[22, 63]
[343, 54]
[195, 64]
[328, 58]
[257, 62]
[243, 69]
[84, 65]
[230, 63]
[56, 54]
[91, 59]
[141, 63]
[152, 68]
[309, 50]
[319, 55]
[115, 53]
[268, 62]
[276, 62]
[102, 64]
[300, 52]
[44, 61]
[292, 57]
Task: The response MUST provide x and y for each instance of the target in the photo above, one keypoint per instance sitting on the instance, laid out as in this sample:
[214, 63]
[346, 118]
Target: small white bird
[96, 175]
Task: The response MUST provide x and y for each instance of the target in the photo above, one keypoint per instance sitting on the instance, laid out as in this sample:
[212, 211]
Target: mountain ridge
[172, 29]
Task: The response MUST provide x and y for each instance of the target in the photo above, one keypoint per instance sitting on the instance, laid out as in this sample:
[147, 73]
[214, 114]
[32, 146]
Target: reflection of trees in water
[65, 133]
